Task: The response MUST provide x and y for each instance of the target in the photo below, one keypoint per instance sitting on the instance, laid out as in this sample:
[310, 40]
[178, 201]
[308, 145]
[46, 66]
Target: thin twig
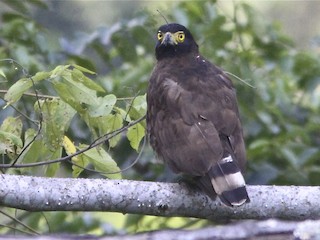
[97, 142]
[121, 170]
[25, 72]
[21, 223]
[22, 114]
[34, 95]
[130, 106]
[240, 79]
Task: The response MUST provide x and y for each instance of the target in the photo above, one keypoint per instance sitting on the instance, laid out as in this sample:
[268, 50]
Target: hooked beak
[168, 39]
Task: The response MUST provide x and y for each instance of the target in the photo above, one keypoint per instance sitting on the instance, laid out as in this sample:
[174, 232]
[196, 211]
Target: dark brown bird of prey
[193, 119]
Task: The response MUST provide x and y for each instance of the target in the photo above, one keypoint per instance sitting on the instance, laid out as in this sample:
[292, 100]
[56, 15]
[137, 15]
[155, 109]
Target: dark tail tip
[235, 197]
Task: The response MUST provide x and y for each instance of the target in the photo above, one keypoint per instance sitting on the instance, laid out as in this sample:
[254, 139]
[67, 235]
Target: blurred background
[299, 19]
[273, 46]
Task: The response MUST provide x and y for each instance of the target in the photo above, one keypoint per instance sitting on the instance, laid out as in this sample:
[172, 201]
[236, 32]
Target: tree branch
[154, 198]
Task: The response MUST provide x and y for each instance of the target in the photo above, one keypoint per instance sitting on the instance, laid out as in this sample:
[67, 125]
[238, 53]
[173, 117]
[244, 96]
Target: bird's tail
[227, 181]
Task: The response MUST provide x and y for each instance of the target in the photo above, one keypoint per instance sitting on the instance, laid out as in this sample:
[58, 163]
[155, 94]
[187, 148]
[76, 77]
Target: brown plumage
[193, 119]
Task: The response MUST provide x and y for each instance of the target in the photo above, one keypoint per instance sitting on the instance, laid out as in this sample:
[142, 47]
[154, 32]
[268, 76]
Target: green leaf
[4, 146]
[102, 162]
[56, 117]
[124, 114]
[78, 161]
[82, 69]
[34, 153]
[81, 161]
[20, 87]
[78, 76]
[74, 93]
[108, 124]
[39, 76]
[17, 90]
[138, 108]
[135, 134]
[51, 169]
[100, 126]
[12, 125]
[29, 135]
[11, 138]
[113, 122]
[103, 107]
[59, 71]
[10, 135]
[37, 151]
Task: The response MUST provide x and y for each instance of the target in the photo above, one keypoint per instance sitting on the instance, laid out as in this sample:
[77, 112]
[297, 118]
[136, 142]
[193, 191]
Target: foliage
[61, 105]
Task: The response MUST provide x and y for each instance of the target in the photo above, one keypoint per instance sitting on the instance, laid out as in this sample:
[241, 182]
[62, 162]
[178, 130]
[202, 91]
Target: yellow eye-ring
[181, 36]
[159, 35]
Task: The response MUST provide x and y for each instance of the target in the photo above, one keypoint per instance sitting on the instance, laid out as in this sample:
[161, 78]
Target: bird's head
[174, 40]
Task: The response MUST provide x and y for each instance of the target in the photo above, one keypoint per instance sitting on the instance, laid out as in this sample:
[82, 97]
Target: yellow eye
[160, 35]
[181, 36]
